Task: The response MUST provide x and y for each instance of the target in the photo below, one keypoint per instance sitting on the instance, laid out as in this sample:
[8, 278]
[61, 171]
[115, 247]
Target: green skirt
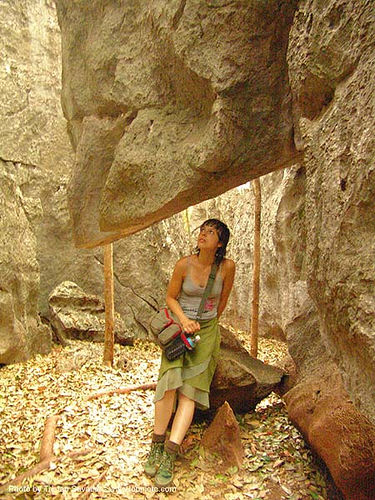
[191, 374]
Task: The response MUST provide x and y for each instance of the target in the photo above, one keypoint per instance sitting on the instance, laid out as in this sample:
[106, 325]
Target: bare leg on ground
[163, 412]
[183, 418]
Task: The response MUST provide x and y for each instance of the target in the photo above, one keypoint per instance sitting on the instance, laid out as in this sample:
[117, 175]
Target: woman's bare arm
[228, 279]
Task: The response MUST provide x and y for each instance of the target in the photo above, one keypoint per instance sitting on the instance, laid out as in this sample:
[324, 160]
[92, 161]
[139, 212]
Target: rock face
[21, 333]
[331, 68]
[32, 128]
[34, 143]
[78, 315]
[175, 102]
[333, 87]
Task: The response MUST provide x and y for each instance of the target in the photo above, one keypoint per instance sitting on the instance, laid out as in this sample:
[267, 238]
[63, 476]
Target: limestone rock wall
[33, 149]
[32, 130]
[284, 298]
[34, 141]
[38, 159]
[21, 332]
[332, 67]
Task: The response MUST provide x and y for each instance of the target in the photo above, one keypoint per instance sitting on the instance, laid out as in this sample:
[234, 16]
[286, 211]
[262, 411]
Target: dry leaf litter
[278, 465]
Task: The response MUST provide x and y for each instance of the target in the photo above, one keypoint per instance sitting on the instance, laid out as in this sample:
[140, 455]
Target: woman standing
[187, 379]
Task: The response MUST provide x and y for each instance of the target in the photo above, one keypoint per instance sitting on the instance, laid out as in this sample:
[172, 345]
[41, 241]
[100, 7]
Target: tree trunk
[109, 336]
[256, 270]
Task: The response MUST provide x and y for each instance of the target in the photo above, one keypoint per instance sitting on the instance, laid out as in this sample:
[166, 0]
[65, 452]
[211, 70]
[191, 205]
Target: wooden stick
[41, 466]
[46, 447]
[256, 270]
[109, 336]
[124, 390]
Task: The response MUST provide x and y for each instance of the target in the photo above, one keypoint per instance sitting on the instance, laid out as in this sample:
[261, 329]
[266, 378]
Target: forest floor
[115, 431]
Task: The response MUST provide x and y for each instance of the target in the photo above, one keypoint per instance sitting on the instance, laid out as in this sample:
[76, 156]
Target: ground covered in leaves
[117, 429]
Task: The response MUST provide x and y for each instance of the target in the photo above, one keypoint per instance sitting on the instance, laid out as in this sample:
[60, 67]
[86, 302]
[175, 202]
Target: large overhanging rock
[170, 103]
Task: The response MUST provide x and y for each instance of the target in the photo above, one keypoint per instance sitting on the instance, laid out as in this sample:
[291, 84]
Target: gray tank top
[191, 295]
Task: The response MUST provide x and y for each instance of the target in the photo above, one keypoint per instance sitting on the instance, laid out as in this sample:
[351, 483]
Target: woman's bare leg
[183, 418]
[163, 411]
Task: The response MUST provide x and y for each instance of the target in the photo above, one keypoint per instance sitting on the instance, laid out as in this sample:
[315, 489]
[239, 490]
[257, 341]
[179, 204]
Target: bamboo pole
[109, 337]
[256, 270]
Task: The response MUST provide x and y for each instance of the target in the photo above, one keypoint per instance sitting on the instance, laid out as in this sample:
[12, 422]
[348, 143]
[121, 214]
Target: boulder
[180, 101]
[240, 379]
[223, 437]
[77, 315]
[343, 437]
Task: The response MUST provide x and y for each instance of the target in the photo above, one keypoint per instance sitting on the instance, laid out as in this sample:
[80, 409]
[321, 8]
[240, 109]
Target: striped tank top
[191, 295]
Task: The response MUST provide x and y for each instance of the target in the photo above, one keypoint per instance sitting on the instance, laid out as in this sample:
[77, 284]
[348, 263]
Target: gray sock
[158, 438]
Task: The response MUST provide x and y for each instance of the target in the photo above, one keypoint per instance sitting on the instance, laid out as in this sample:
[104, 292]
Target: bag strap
[207, 290]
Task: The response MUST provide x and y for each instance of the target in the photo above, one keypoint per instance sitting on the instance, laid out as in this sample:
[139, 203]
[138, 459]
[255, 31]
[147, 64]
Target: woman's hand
[190, 326]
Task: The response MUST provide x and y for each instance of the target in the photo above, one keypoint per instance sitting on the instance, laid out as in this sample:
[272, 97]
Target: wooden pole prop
[256, 270]
[109, 336]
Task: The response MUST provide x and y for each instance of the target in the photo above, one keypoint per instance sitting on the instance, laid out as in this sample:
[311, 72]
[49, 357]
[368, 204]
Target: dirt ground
[112, 433]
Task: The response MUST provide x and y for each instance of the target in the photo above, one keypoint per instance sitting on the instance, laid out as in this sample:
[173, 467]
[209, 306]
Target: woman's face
[208, 238]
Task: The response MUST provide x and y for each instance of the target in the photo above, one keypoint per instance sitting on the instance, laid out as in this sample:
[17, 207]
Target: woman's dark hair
[223, 233]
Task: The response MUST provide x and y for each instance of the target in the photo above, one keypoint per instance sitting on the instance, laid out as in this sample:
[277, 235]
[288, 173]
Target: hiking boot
[154, 459]
[164, 475]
